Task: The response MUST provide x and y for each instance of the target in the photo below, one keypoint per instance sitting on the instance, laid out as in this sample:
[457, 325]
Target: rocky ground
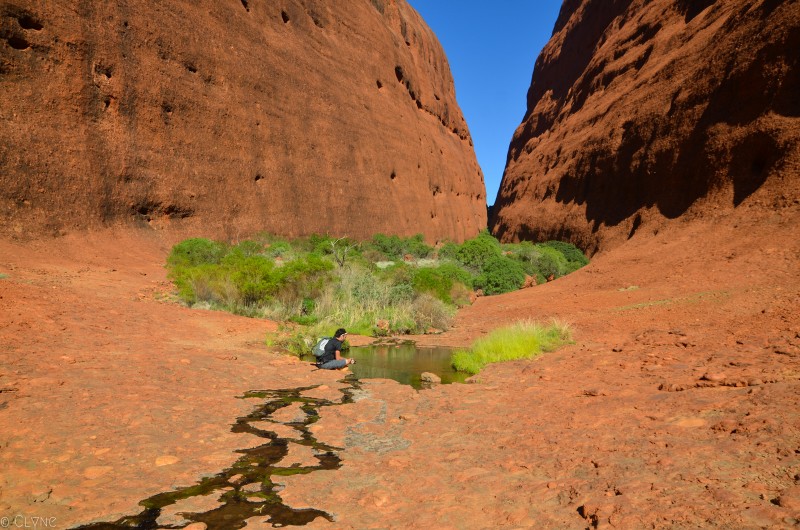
[678, 406]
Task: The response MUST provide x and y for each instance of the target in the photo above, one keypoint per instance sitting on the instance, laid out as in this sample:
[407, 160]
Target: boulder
[429, 377]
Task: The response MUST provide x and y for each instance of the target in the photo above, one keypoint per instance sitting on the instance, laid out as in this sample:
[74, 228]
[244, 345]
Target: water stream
[247, 489]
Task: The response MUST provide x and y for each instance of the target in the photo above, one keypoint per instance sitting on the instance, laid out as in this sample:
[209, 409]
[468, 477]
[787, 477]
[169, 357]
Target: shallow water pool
[404, 363]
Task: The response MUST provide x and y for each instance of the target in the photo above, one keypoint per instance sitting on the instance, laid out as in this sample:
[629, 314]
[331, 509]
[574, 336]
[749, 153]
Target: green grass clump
[523, 340]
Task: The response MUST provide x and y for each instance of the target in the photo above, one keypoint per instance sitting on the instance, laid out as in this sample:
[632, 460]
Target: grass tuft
[523, 340]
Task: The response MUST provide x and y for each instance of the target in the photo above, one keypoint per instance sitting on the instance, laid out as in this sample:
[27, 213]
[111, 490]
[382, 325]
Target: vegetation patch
[523, 340]
[385, 286]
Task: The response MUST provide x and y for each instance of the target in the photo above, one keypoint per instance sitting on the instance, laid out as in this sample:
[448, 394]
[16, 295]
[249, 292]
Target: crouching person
[333, 360]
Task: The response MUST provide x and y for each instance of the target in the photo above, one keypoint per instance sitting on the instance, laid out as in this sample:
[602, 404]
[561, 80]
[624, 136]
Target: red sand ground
[677, 406]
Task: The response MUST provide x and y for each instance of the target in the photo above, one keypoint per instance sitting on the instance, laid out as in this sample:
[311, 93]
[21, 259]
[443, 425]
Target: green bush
[253, 276]
[440, 281]
[448, 250]
[429, 280]
[395, 248]
[307, 287]
[389, 246]
[523, 340]
[550, 262]
[279, 249]
[431, 313]
[416, 246]
[196, 251]
[573, 254]
[500, 275]
[476, 252]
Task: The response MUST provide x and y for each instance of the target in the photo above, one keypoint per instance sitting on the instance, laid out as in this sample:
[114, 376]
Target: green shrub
[389, 246]
[456, 273]
[460, 294]
[439, 281]
[500, 275]
[395, 248]
[253, 276]
[430, 312]
[429, 280]
[248, 248]
[296, 343]
[523, 340]
[476, 252]
[196, 251]
[550, 262]
[448, 250]
[573, 254]
[279, 249]
[416, 246]
[401, 292]
[206, 283]
[307, 288]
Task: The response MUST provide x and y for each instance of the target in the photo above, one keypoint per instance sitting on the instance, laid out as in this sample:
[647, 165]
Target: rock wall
[641, 112]
[228, 117]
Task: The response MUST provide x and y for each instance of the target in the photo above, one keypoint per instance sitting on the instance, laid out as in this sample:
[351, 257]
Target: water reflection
[404, 363]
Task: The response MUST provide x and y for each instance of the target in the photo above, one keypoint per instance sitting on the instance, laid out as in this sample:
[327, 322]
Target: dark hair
[339, 332]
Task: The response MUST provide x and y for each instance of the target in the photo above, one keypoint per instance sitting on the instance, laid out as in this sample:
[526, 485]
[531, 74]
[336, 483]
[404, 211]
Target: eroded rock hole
[692, 8]
[103, 70]
[393, 175]
[284, 17]
[18, 43]
[192, 68]
[637, 222]
[246, 6]
[398, 71]
[258, 177]
[28, 22]
[380, 85]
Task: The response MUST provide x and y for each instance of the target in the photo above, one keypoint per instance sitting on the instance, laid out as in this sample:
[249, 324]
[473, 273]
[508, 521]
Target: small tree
[341, 248]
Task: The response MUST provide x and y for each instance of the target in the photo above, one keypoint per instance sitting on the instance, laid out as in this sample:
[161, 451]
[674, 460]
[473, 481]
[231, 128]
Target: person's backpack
[319, 348]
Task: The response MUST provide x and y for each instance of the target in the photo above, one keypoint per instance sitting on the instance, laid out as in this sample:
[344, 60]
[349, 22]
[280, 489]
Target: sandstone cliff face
[640, 112]
[225, 118]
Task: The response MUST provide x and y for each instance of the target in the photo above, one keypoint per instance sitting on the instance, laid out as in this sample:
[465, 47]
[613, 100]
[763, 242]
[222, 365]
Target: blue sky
[491, 48]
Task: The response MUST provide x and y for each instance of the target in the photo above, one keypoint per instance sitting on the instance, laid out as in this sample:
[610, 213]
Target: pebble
[94, 472]
[166, 460]
[713, 376]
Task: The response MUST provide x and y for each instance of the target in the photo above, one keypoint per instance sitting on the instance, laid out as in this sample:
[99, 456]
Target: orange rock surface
[229, 118]
[641, 112]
